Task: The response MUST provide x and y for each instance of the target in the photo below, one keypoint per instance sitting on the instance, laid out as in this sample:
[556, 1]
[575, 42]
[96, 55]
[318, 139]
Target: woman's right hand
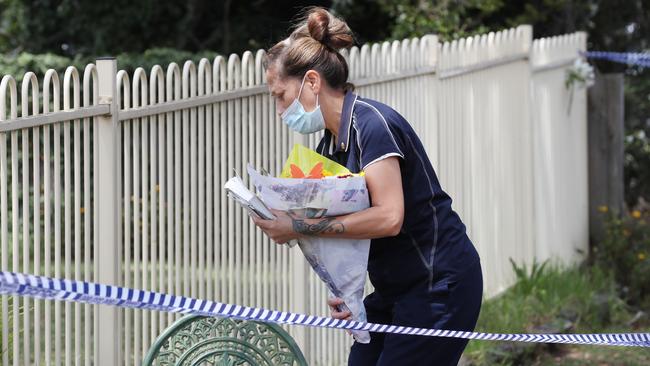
[333, 303]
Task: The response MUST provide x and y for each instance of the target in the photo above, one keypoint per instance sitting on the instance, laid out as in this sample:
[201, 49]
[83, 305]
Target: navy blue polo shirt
[432, 242]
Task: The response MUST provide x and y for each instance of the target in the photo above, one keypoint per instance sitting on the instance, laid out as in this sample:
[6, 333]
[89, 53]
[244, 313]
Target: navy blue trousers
[451, 303]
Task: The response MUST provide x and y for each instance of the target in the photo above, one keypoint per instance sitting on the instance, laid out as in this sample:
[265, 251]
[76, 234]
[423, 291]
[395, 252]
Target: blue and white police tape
[93, 293]
[629, 58]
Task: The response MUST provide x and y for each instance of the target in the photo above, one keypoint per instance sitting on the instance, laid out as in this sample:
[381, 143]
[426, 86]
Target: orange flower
[636, 214]
[315, 173]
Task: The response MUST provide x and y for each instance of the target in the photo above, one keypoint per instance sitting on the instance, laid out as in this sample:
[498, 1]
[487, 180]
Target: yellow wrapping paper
[304, 162]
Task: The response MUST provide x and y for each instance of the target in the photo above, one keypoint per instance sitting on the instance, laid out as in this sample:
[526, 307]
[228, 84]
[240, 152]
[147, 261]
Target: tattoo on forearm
[326, 225]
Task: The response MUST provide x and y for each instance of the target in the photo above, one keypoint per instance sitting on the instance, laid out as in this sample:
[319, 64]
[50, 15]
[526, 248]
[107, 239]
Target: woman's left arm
[383, 219]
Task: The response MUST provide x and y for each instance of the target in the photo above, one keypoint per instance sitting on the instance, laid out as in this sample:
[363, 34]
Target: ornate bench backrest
[198, 340]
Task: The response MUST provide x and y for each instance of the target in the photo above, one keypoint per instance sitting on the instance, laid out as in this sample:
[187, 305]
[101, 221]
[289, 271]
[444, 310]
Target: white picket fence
[121, 183]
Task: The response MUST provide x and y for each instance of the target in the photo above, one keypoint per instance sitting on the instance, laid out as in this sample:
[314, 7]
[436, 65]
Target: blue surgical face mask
[301, 121]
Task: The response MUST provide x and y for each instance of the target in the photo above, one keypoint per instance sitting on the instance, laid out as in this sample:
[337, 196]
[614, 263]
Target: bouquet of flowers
[312, 186]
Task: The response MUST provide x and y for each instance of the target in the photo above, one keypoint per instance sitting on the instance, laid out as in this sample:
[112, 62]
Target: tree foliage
[72, 27]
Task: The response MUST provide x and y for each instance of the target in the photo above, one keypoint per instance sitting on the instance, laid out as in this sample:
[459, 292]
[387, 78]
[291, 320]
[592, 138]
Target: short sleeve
[375, 138]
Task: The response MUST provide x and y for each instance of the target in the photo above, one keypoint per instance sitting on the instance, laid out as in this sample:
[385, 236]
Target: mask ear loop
[301, 85]
[300, 92]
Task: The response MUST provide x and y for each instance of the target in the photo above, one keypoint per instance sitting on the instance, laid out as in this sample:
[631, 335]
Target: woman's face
[285, 90]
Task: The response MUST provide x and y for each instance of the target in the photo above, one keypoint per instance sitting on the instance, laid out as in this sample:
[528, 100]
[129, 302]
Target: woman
[424, 268]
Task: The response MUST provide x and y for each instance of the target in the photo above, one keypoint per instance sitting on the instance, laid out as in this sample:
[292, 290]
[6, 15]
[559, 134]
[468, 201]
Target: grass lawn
[586, 355]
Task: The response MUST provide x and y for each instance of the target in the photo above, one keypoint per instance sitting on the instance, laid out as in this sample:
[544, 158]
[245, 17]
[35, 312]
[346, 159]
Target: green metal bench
[198, 340]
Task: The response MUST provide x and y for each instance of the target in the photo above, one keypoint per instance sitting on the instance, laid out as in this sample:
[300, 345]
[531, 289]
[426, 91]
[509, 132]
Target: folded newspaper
[237, 190]
[329, 189]
[248, 200]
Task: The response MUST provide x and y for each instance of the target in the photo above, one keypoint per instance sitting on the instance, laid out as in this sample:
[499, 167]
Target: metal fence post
[106, 208]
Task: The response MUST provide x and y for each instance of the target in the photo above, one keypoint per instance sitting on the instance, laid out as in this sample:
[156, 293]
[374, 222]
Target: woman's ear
[313, 81]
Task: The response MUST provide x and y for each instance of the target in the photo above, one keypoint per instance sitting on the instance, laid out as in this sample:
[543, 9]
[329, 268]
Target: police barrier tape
[93, 293]
[629, 58]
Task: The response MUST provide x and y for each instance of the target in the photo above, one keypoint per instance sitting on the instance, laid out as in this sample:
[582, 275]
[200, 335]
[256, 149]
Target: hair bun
[328, 29]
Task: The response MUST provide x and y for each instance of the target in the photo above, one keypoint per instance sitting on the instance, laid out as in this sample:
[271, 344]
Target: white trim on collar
[347, 142]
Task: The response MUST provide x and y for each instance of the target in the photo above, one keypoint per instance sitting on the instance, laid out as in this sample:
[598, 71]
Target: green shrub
[160, 56]
[18, 65]
[637, 161]
[625, 251]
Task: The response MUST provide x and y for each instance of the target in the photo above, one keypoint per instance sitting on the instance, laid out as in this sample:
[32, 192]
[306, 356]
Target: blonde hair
[314, 45]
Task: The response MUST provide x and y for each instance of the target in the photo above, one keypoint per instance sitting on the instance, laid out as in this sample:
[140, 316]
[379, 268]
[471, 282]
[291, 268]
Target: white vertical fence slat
[57, 238]
[36, 207]
[89, 98]
[70, 85]
[156, 150]
[135, 198]
[28, 80]
[123, 86]
[173, 90]
[7, 82]
[51, 79]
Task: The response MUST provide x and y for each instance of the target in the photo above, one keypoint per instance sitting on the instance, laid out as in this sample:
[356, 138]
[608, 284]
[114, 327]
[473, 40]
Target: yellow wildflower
[641, 256]
[602, 208]
[636, 214]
